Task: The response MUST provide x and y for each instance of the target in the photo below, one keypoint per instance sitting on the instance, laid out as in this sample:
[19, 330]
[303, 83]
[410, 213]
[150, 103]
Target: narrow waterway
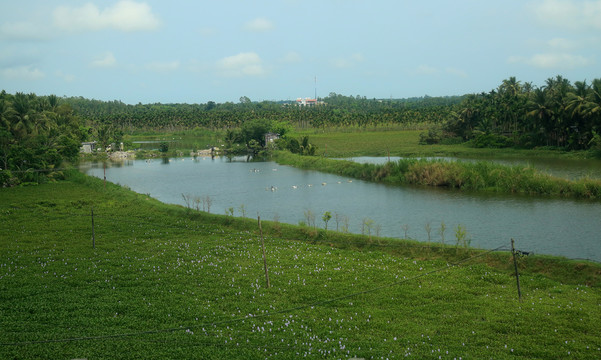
[542, 225]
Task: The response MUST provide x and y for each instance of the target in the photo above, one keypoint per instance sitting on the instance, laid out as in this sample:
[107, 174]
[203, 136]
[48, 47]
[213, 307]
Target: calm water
[552, 226]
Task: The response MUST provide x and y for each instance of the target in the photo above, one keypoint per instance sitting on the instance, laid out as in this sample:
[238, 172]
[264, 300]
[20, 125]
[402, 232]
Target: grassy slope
[181, 285]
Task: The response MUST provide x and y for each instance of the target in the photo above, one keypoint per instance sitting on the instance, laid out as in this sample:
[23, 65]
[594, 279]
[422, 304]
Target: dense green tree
[37, 135]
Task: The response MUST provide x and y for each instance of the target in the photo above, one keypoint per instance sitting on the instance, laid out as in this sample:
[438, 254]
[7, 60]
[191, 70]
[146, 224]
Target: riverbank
[470, 176]
[162, 274]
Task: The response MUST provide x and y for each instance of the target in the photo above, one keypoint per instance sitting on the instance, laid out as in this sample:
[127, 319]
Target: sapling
[428, 228]
[208, 202]
[406, 229]
[462, 236]
[310, 217]
[326, 217]
[368, 223]
[197, 201]
[186, 199]
[441, 231]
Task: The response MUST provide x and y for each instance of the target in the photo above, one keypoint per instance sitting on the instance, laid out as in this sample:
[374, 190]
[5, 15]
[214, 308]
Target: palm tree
[577, 108]
[541, 112]
[21, 119]
[594, 107]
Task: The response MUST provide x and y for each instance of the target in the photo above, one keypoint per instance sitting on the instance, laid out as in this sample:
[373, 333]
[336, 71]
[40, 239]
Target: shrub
[431, 137]
[164, 147]
[491, 141]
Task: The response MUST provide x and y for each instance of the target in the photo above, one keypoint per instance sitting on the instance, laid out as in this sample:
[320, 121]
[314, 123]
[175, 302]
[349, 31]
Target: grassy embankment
[479, 176]
[167, 282]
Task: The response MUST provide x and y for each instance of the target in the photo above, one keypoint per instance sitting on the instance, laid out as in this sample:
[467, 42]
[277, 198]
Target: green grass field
[167, 282]
[406, 143]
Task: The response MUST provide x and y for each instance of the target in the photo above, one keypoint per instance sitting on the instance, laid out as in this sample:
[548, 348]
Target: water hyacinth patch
[162, 284]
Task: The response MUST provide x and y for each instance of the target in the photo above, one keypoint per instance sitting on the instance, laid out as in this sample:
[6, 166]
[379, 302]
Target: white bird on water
[294, 186]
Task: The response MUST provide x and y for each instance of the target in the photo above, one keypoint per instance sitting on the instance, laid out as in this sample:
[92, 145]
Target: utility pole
[263, 248]
[517, 274]
[93, 236]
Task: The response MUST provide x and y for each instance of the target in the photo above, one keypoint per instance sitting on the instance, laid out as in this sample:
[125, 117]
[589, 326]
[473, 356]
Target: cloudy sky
[196, 51]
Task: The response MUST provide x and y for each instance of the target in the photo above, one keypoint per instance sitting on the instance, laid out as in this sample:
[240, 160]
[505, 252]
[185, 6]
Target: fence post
[263, 248]
[517, 274]
[93, 236]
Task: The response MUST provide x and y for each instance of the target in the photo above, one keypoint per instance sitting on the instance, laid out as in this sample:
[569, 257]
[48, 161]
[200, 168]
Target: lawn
[168, 282]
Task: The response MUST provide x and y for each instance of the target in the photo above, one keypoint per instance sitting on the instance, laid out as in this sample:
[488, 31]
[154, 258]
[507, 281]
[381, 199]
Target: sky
[195, 51]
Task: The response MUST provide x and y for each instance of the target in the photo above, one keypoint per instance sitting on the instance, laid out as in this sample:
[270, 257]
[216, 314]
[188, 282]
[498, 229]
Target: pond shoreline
[481, 176]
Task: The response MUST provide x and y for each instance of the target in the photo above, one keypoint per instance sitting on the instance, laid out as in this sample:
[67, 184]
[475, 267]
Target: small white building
[271, 137]
[88, 147]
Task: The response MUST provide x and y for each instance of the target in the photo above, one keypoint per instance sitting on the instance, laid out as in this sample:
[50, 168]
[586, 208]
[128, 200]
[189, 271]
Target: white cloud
[571, 14]
[23, 31]
[348, 61]
[107, 60]
[126, 15]
[243, 64]
[561, 44]
[25, 72]
[208, 32]
[456, 72]
[426, 70]
[553, 61]
[64, 76]
[291, 57]
[163, 66]
[259, 25]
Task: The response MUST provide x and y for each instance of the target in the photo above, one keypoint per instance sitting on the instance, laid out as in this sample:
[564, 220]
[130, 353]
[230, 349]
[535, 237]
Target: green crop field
[168, 282]
[406, 143]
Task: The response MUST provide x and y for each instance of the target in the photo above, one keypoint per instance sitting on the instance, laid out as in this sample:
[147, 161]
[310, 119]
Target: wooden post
[517, 274]
[263, 248]
[93, 235]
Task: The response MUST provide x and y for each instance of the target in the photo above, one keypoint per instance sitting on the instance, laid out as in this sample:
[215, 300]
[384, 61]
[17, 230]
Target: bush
[164, 147]
[491, 141]
[431, 137]
[451, 140]
[7, 179]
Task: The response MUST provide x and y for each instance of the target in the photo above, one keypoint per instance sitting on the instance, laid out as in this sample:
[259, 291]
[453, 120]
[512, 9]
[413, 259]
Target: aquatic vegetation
[165, 282]
[470, 176]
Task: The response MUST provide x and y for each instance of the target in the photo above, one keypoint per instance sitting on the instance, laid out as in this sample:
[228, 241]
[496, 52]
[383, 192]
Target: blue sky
[196, 51]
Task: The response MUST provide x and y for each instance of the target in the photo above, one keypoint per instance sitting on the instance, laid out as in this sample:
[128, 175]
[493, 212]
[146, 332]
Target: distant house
[271, 137]
[308, 102]
[88, 147]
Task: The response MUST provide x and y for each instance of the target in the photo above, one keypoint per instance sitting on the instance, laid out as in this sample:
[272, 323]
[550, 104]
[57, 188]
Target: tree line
[339, 111]
[557, 114]
[37, 135]
[41, 132]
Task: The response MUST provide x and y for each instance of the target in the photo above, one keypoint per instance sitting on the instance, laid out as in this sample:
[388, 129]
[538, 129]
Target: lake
[542, 225]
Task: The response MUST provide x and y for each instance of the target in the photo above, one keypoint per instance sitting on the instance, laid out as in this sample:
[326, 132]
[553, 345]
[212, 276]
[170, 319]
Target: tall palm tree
[594, 98]
[21, 119]
[541, 112]
[577, 110]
